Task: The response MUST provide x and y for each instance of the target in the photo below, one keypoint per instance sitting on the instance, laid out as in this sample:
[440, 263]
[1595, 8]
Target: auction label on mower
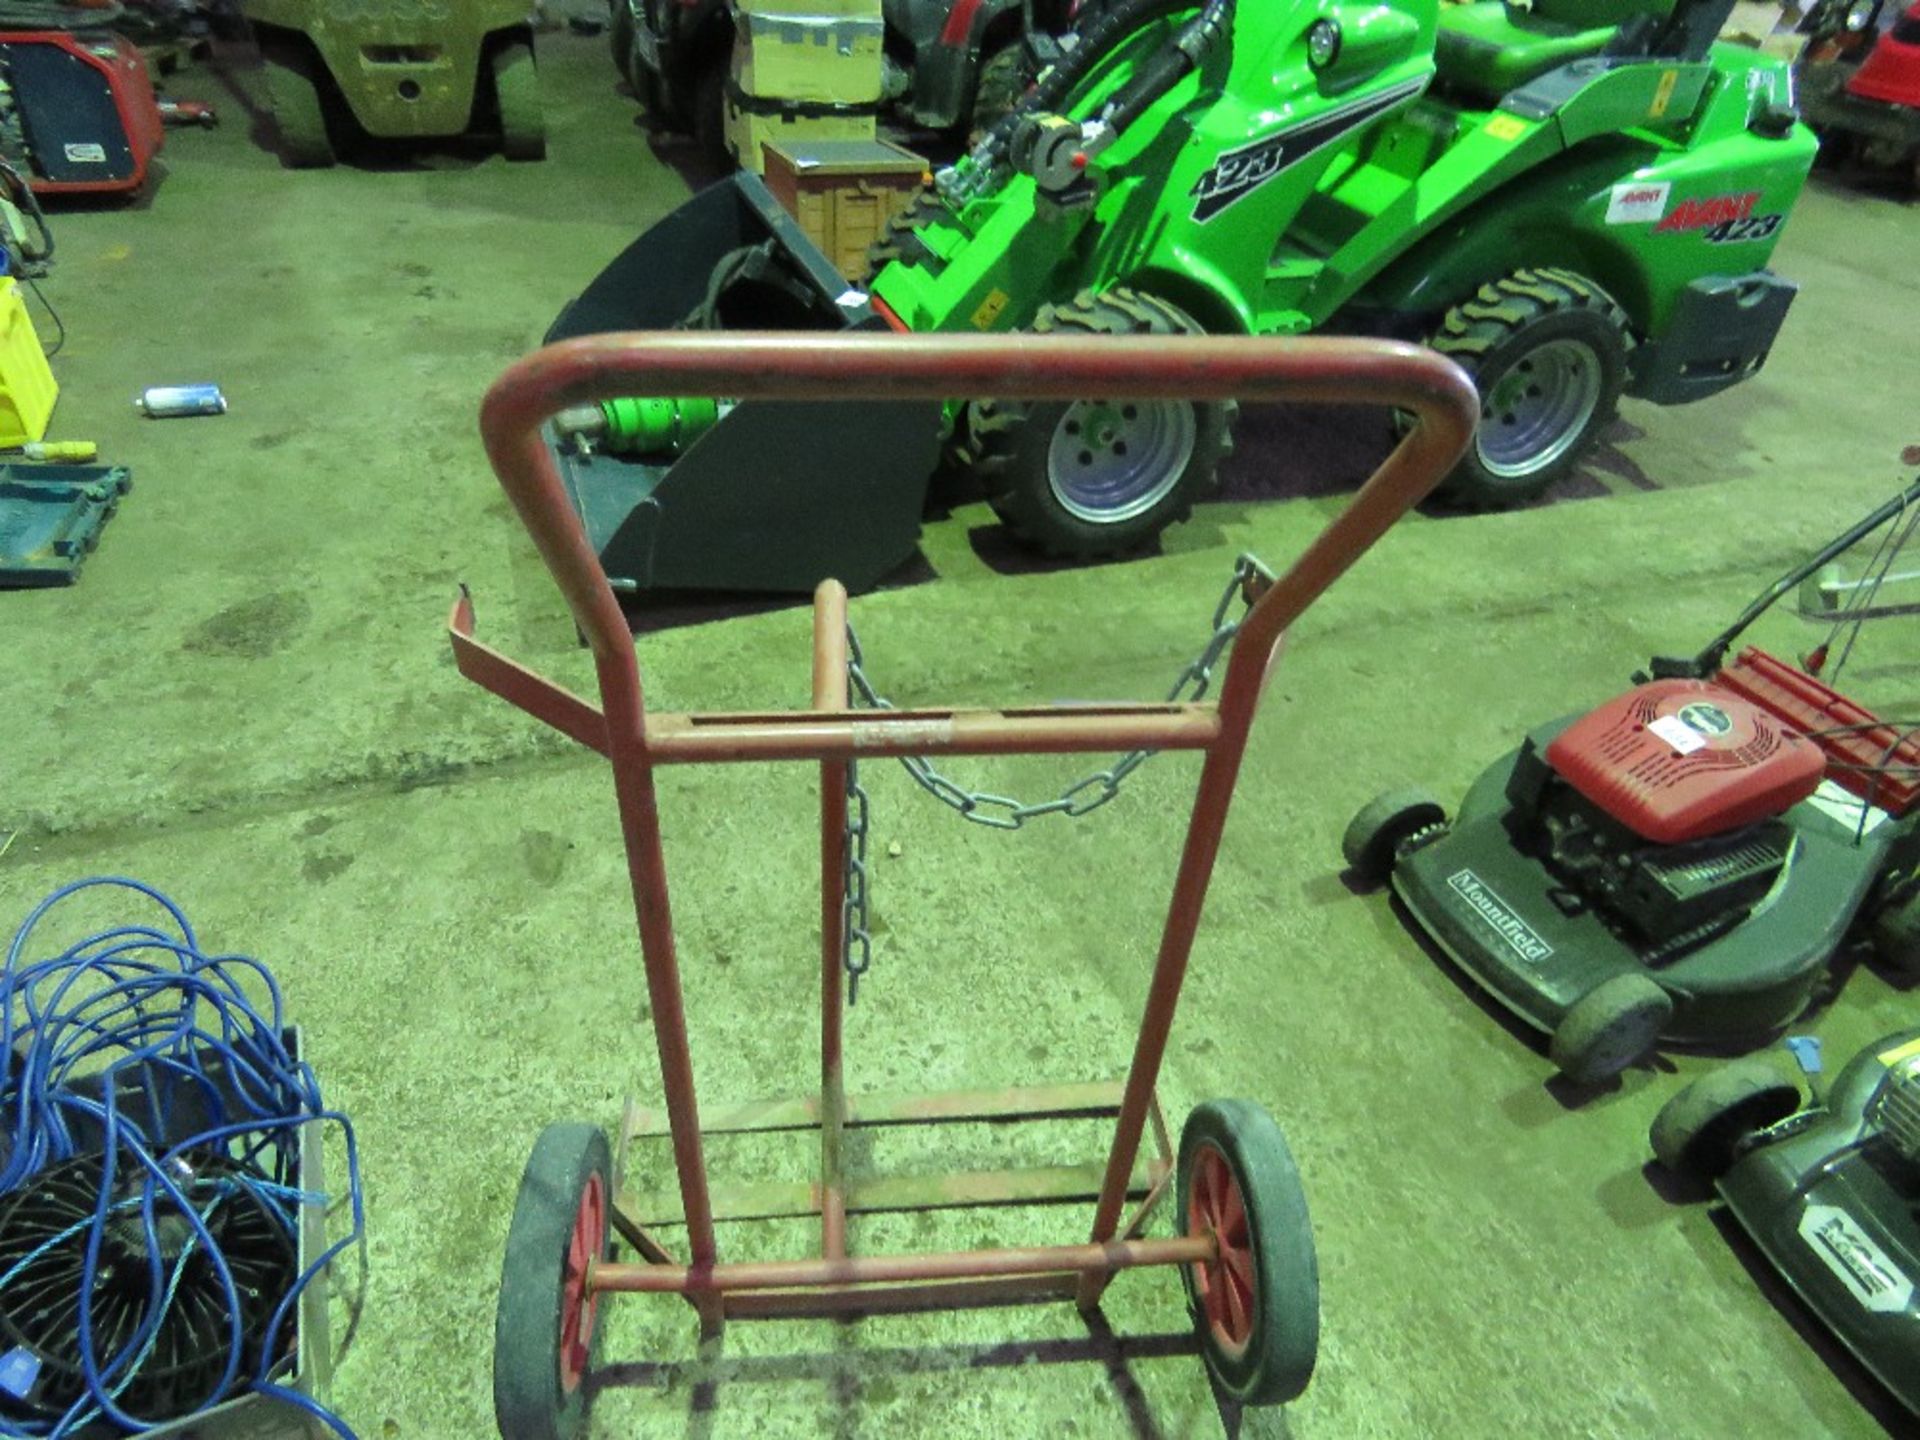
[1848, 1251]
[1522, 937]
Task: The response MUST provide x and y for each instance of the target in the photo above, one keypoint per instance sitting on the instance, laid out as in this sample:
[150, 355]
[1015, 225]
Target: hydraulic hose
[1058, 83]
[1169, 65]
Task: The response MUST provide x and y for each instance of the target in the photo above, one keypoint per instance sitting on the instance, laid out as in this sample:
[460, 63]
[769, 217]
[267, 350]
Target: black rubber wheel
[1896, 930]
[621, 24]
[1547, 350]
[294, 80]
[1257, 1308]
[709, 112]
[1697, 1132]
[1610, 1027]
[544, 1334]
[516, 95]
[1092, 478]
[1374, 836]
[896, 235]
[1003, 78]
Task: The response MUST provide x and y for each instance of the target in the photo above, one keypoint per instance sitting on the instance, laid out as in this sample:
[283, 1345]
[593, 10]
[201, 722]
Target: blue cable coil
[107, 1043]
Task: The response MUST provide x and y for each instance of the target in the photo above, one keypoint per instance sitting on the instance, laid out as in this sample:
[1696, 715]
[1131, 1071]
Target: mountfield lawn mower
[1575, 201]
[1829, 1190]
[1682, 863]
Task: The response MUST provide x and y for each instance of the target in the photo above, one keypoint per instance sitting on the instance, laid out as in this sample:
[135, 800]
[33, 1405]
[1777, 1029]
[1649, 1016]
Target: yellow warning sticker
[990, 309]
[1505, 127]
[1663, 95]
[1898, 1053]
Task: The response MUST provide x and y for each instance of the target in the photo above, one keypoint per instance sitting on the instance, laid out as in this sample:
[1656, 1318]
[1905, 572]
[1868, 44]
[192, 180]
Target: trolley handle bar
[802, 366]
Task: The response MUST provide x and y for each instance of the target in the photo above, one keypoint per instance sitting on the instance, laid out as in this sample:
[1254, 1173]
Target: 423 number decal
[1750, 227]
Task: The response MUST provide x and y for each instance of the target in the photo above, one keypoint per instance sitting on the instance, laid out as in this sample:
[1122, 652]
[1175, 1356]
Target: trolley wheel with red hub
[1257, 1306]
[543, 1338]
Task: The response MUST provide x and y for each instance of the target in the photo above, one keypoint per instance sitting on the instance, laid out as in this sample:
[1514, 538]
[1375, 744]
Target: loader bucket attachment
[777, 496]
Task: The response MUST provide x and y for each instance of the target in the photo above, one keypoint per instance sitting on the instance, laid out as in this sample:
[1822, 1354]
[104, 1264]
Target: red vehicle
[1860, 92]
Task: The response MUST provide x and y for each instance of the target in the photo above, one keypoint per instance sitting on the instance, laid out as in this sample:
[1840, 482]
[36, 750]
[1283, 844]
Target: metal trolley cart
[1245, 1249]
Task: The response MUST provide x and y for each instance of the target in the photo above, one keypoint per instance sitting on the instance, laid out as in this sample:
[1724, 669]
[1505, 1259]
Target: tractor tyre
[1089, 478]
[1547, 350]
[294, 81]
[896, 235]
[516, 98]
[1003, 78]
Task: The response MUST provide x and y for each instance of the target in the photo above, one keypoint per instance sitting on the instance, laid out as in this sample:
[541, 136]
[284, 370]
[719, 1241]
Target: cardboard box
[822, 58]
[843, 192]
[750, 131]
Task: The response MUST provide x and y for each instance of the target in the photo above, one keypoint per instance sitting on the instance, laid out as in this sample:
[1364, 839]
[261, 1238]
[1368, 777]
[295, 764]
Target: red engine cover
[1680, 760]
[1891, 71]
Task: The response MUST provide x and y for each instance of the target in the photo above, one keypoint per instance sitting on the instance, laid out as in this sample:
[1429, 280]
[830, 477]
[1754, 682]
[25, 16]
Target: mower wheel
[299, 113]
[1373, 839]
[1609, 1028]
[1547, 350]
[896, 234]
[544, 1333]
[516, 94]
[1698, 1132]
[1093, 477]
[1257, 1306]
[1896, 930]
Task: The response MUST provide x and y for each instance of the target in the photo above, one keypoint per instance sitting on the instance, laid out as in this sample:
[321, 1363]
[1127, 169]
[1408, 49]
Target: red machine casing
[122, 74]
[1891, 71]
[1681, 760]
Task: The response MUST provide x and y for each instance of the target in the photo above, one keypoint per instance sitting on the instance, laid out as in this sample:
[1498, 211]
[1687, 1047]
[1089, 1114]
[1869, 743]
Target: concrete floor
[249, 702]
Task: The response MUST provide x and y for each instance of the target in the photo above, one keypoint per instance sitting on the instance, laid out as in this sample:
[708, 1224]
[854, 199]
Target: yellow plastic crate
[27, 386]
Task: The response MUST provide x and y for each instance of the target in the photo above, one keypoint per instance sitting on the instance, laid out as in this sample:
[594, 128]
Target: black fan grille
[40, 1305]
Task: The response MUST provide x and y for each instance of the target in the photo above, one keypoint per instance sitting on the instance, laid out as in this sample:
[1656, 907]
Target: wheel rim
[1225, 1285]
[1109, 462]
[578, 1308]
[1538, 408]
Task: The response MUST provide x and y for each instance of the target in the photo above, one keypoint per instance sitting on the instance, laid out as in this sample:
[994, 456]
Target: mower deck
[1526, 938]
[1835, 1218]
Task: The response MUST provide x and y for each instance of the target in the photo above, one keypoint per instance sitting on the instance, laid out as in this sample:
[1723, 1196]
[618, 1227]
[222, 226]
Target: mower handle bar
[887, 366]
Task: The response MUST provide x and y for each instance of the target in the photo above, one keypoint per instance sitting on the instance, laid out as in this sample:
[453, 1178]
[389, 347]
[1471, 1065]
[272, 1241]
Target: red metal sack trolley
[1245, 1249]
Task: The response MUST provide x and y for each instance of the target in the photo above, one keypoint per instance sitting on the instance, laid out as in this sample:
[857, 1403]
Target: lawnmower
[337, 72]
[1829, 1189]
[1860, 82]
[1681, 863]
[1573, 201]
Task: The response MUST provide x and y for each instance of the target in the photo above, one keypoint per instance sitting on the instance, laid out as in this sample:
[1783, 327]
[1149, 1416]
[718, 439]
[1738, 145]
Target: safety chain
[856, 945]
[1250, 581]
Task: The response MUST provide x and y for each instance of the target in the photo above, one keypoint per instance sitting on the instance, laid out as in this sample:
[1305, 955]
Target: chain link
[1002, 812]
[856, 916]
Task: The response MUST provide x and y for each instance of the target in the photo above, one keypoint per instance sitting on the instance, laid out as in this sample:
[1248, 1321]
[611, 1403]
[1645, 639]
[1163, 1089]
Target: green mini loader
[424, 69]
[1576, 201]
